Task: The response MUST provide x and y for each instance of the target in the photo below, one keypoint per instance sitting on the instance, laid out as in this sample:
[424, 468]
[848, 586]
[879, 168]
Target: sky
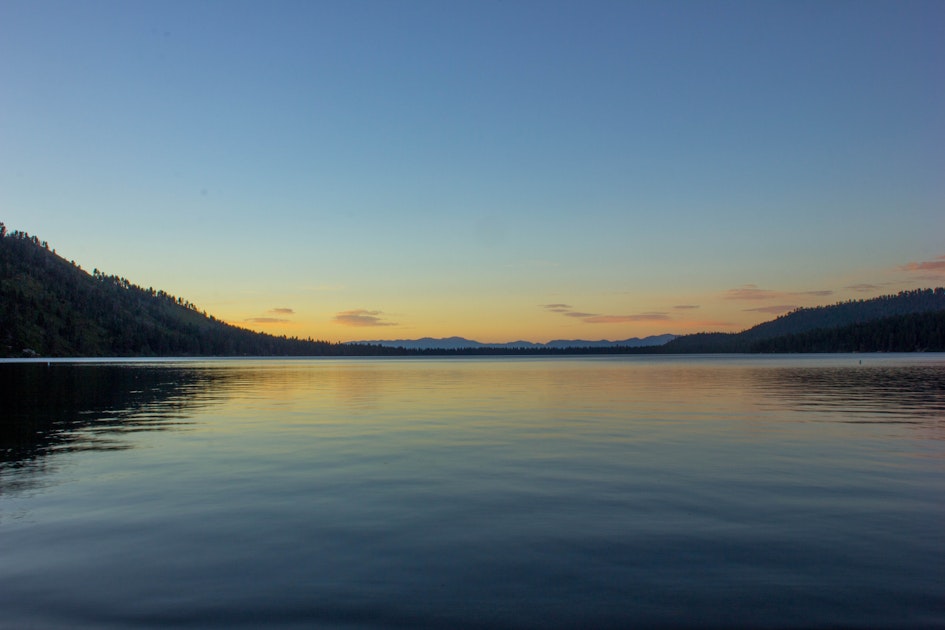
[492, 169]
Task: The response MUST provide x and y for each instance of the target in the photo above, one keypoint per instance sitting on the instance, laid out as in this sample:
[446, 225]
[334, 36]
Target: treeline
[52, 307]
[904, 322]
[921, 329]
[916, 332]
[849, 312]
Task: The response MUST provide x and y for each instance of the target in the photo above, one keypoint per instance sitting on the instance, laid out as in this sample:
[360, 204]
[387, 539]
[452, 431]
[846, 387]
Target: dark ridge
[51, 307]
[905, 322]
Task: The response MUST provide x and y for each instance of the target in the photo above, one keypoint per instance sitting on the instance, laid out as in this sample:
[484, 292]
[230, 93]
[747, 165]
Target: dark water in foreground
[479, 493]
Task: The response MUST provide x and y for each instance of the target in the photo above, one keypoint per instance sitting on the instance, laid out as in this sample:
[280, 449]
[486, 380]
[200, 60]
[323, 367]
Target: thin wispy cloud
[863, 287]
[709, 324]
[754, 292]
[686, 306]
[774, 310]
[936, 265]
[623, 319]
[750, 292]
[361, 318]
[270, 319]
[598, 318]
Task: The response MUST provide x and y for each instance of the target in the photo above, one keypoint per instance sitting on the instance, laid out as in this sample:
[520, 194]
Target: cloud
[361, 317]
[597, 318]
[864, 287]
[936, 265]
[622, 319]
[775, 310]
[749, 292]
[272, 320]
[710, 324]
[686, 306]
[753, 292]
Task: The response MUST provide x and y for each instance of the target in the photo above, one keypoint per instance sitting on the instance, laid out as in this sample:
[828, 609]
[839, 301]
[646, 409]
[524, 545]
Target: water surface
[554, 492]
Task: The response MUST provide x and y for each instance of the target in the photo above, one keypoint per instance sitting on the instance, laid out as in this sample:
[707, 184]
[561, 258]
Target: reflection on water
[607, 491]
[64, 407]
[911, 394]
[61, 406]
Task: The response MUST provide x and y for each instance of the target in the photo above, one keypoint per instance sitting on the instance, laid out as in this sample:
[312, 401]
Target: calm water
[606, 492]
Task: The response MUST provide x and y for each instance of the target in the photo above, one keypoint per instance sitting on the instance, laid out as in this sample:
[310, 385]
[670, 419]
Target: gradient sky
[497, 170]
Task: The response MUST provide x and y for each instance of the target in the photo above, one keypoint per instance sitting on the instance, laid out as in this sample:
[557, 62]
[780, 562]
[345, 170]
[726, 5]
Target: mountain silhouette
[51, 307]
[457, 343]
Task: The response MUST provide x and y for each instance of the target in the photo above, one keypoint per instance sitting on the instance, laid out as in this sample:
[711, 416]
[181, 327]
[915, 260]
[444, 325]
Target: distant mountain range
[51, 307]
[460, 343]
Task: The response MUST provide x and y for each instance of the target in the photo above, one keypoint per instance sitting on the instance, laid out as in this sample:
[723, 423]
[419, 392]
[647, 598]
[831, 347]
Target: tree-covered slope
[904, 322]
[52, 307]
[847, 313]
[899, 333]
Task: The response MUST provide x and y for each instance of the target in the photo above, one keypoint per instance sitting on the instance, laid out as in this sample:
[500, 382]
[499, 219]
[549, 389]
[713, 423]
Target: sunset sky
[497, 170]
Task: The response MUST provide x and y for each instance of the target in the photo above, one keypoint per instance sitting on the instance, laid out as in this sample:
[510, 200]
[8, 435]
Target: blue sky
[351, 170]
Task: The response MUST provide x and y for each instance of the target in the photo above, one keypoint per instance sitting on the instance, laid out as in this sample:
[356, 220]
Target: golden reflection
[369, 383]
[624, 398]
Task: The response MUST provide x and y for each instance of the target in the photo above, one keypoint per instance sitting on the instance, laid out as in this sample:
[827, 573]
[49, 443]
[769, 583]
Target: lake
[716, 491]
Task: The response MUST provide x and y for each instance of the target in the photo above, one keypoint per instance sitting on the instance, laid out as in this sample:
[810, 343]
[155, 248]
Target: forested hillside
[847, 313]
[52, 307]
[906, 322]
[922, 332]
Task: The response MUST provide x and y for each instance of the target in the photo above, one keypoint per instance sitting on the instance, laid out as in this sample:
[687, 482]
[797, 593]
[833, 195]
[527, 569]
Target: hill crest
[52, 307]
